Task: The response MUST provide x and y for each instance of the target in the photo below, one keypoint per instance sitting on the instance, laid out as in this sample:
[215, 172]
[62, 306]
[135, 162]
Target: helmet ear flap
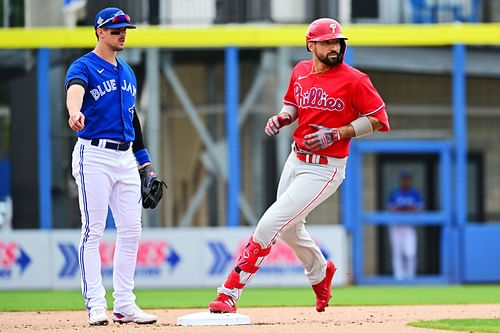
[343, 46]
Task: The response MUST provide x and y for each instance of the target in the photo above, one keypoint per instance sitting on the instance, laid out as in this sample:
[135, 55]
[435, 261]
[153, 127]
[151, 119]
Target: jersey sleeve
[368, 102]
[290, 95]
[77, 72]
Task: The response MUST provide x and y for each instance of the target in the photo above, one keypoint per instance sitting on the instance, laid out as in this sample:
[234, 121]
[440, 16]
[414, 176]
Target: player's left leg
[126, 207]
[307, 251]
[409, 248]
[318, 270]
[396, 234]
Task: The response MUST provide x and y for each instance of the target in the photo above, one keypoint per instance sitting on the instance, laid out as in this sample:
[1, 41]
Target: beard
[329, 61]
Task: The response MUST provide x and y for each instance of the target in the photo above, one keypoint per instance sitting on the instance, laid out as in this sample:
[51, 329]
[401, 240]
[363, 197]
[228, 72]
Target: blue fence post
[459, 102]
[44, 144]
[349, 194]
[353, 172]
[349, 56]
[347, 189]
[233, 135]
[448, 247]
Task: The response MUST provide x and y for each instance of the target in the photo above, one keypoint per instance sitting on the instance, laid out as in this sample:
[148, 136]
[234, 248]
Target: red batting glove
[276, 122]
[322, 138]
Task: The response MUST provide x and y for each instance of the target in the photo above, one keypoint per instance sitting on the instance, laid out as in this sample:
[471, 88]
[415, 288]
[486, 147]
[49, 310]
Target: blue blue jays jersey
[405, 198]
[109, 100]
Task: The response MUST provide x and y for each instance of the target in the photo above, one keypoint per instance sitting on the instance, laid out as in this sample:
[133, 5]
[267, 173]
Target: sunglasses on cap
[122, 18]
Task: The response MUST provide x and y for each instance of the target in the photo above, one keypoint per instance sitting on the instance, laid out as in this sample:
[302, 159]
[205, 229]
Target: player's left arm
[151, 184]
[323, 137]
[372, 113]
[372, 117]
[140, 151]
[362, 126]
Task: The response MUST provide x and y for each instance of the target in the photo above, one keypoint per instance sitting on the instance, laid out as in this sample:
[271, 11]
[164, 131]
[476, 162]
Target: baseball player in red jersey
[332, 102]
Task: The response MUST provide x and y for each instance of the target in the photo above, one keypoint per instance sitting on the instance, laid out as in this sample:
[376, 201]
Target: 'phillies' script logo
[316, 98]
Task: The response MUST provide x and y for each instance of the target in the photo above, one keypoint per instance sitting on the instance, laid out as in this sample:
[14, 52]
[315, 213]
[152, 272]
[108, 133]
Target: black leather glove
[151, 187]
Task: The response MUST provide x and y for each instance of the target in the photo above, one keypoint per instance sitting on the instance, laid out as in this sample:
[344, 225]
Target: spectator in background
[403, 237]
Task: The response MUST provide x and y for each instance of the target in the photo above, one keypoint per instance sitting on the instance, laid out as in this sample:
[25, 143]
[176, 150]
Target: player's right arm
[287, 115]
[74, 101]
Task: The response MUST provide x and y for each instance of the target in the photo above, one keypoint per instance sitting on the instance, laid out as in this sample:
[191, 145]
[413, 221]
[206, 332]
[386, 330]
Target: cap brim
[120, 25]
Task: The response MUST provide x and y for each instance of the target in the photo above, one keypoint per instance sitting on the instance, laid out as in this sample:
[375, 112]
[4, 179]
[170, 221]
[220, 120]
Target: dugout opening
[431, 164]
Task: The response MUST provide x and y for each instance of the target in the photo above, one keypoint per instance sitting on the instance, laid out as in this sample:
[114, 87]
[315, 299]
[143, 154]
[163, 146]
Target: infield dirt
[351, 319]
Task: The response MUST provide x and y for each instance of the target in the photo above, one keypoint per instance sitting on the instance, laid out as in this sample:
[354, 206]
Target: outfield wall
[167, 258]
[256, 35]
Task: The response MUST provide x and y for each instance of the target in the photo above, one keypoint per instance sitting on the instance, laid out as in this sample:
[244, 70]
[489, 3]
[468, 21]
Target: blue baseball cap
[112, 17]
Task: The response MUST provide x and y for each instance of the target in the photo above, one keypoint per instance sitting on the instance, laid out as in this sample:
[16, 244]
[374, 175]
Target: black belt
[111, 145]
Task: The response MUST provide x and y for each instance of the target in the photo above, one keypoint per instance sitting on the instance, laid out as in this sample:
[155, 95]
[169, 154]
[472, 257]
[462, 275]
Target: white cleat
[137, 316]
[98, 317]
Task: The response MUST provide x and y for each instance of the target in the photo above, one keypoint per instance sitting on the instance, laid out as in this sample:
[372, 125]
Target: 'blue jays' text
[109, 86]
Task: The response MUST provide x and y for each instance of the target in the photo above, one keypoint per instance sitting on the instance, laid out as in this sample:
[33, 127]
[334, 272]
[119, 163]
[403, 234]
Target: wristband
[291, 111]
[142, 156]
[362, 127]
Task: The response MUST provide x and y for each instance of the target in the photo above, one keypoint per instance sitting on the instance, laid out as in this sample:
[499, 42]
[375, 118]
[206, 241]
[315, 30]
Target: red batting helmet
[324, 29]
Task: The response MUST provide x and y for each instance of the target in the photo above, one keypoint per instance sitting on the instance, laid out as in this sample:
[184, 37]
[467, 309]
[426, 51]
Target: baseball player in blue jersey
[109, 162]
[403, 237]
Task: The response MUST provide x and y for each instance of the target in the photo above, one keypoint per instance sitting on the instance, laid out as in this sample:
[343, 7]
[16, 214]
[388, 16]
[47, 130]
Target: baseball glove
[151, 187]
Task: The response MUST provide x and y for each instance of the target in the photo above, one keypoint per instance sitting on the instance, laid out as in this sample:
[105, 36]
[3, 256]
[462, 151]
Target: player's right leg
[247, 265]
[93, 191]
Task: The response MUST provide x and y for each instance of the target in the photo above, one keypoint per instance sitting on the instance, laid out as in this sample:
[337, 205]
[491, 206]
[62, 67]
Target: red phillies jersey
[333, 98]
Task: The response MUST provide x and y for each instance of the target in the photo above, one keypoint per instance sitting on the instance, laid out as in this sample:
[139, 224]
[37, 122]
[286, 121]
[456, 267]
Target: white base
[213, 319]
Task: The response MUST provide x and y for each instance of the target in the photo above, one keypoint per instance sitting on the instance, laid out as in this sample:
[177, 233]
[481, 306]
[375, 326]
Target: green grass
[41, 300]
[468, 325]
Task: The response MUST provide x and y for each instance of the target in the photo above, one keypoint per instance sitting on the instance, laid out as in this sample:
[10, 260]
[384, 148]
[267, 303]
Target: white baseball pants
[107, 177]
[404, 251]
[302, 187]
